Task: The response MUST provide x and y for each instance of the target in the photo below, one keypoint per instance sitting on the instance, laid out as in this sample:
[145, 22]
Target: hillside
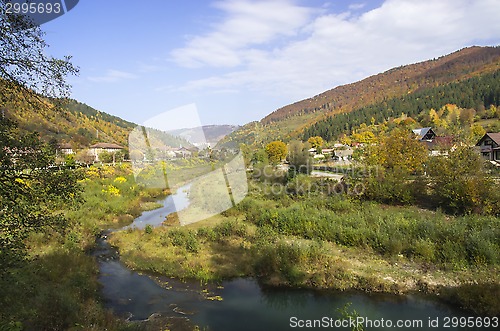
[74, 122]
[69, 122]
[291, 120]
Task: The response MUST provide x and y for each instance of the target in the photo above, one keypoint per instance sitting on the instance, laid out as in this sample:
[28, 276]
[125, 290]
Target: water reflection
[171, 204]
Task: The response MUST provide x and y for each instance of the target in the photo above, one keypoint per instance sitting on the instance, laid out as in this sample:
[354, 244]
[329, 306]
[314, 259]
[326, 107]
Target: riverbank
[330, 242]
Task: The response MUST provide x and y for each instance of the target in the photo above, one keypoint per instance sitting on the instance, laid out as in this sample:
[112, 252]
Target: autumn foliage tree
[316, 142]
[32, 192]
[460, 183]
[394, 159]
[276, 151]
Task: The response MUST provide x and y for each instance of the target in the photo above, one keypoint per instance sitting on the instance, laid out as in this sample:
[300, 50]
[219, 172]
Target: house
[436, 145]
[98, 148]
[328, 151]
[425, 134]
[343, 154]
[489, 146]
[183, 152]
[65, 149]
[440, 145]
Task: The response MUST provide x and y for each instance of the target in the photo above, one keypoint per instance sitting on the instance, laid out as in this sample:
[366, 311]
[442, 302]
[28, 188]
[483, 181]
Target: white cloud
[112, 76]
[246, 23]
[356, 6]
[281, 48]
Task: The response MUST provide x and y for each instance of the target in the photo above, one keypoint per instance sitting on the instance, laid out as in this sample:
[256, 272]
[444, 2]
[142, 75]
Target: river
[246, 305]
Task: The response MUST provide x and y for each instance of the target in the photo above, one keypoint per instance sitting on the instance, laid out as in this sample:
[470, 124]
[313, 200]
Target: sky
[236, 61]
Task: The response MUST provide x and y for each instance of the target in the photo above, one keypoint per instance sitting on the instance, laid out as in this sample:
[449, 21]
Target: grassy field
[335, 242]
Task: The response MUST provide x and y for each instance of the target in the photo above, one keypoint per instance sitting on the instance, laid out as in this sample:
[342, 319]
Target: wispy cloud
[356, 6]
[246, 24]
[112, 76]
[286, 49]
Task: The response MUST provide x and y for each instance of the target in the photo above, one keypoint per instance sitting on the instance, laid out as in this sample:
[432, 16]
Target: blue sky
[239, 60]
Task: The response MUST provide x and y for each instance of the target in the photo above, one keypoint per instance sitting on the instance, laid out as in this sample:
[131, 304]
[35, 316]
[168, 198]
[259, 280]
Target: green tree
[259, 157]
[299, 158]
[276, 151]
[32, 192]
[460, 183]
[69, 160]
[24, 64]
[106, 157]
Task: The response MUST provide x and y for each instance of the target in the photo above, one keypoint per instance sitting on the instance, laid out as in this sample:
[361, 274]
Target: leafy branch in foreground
[25, 66]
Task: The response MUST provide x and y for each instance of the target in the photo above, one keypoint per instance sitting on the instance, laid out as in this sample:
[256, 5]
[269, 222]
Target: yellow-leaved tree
[276, 151]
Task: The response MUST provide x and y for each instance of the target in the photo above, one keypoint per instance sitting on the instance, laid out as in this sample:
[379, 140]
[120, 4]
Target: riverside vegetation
[285, 236]
[400, 222]
[58, 286]
[298, 233]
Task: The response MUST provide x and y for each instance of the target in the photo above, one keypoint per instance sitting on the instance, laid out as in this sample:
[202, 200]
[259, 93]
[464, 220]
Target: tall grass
[391, 231]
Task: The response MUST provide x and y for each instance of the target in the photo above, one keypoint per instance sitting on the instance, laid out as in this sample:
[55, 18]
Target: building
[436, 145]
[65, 149]
[425, 134]
[98, 148]
[344, 154]
[183, 152]
[489, 146]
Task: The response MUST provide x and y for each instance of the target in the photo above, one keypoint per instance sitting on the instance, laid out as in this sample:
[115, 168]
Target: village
[338, 154]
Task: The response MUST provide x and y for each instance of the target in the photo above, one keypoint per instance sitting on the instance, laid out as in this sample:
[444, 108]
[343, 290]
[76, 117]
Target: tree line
[474, 93]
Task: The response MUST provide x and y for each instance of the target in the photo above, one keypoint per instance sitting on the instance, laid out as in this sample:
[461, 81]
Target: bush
[185, 239]
[230, 228]
[460, 184]
[389, 186]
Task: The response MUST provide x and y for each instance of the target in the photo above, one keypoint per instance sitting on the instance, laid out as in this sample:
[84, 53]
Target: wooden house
[489, 146]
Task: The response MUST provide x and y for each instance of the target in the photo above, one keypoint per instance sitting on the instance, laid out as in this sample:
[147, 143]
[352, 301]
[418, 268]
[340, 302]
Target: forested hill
[332, 108]
[73, 122]
[70, 122]
[399, 81]
[474, 95]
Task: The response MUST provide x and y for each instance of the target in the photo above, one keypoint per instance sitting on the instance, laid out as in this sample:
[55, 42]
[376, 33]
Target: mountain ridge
[291, 120]
[337, 99]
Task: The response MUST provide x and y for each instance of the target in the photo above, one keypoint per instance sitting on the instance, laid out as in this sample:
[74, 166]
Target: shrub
[460, 184]
[390, 186]
[230, 228]
[184, 238]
